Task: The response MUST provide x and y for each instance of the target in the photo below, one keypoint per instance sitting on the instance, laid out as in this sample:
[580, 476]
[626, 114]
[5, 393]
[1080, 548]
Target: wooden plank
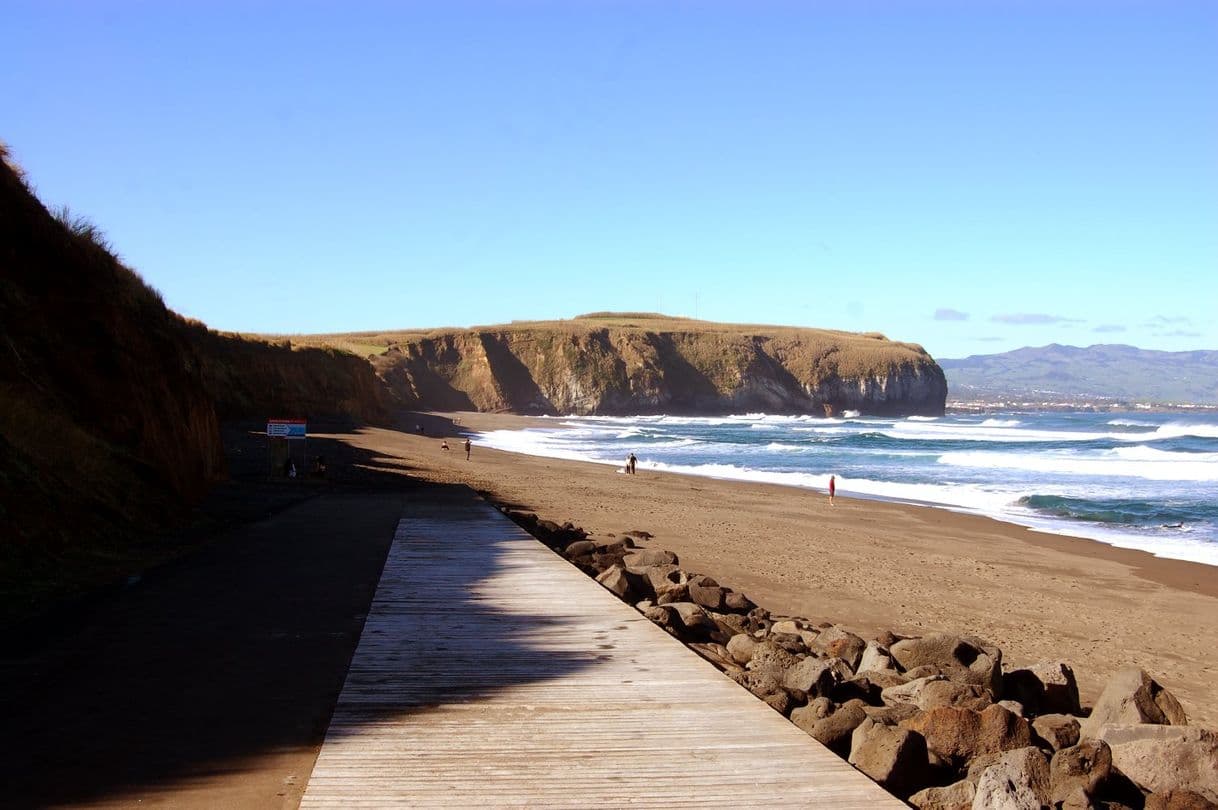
[492, 673]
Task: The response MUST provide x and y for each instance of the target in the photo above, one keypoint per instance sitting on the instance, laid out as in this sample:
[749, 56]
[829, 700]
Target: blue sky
[971, 176]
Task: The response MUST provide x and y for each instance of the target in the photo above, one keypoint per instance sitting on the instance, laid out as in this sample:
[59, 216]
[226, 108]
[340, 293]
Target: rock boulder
[1161, 758]
[806, 717]
[840, 643]
[1080, 768]
[646, 557]
[959, 735]
[706, 592]
[935, 693]
[813, 676]
[835, 731]
[1019, 779]
[908, 692]
[875, 658]
[621, 584]
[967, 659]
[736, 602]
[957, 796]
[1048, 687]
[1058, 730]
[894, 757]
[1132, 696]
[741, 647]
[1178, 800]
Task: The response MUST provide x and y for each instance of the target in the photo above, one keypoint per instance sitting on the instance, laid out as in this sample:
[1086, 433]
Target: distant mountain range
[1101, 372]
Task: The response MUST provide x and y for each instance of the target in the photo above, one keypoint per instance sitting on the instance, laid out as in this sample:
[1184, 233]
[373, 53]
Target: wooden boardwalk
[492, 673]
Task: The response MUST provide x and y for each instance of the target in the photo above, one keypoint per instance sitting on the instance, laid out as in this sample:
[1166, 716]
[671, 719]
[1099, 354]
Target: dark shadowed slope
[106, 426]
[109, 404]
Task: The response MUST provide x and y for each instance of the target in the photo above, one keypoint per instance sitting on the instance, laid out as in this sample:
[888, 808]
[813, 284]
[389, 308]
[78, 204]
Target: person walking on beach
[832, 488]
[467, 447]
[631, 463]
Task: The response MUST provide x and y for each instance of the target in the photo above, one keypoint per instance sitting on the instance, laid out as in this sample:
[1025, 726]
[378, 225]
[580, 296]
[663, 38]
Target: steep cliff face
[662, 365]
[106, 426]
[257, 379]
[110, 404]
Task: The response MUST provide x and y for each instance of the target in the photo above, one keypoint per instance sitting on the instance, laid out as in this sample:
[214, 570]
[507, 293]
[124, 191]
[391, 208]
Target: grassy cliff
[106, 425]
[605, 363]
[110, 404]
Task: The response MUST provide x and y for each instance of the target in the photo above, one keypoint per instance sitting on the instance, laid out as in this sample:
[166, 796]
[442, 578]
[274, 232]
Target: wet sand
[868, 564]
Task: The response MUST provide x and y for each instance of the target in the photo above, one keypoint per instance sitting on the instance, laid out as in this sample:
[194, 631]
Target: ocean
[1144, 479]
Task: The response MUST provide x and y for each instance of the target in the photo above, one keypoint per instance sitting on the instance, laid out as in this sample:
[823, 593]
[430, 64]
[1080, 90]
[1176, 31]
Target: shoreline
[1041, 526]
[1146, 562]
[870, 564]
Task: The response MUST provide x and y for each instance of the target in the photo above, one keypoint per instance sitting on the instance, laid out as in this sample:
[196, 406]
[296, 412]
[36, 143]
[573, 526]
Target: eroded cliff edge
[614, 364]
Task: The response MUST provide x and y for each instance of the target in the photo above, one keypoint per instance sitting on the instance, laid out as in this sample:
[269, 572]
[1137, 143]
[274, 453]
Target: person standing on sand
[631, 463]
[467, 447]
[832, 488]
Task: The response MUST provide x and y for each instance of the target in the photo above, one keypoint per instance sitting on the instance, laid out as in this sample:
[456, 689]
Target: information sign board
[287, 428]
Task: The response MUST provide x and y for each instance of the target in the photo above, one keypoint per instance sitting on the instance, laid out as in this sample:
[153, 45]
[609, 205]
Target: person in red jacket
[832, 488]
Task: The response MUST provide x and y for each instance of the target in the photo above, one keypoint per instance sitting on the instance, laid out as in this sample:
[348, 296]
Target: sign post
[279, 434]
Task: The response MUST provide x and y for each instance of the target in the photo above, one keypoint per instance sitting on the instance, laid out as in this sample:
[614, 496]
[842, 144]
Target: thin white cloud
[948, 314]
[1033, 318]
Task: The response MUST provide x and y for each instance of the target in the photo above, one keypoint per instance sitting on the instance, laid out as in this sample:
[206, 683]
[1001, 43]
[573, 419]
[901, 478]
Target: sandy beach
[867, 564]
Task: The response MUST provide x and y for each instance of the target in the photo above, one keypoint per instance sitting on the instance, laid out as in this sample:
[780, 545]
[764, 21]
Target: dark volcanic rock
[894, 757]
[958, 735]
[1080, 768]
[956, 796]
[1058, 730]
[646, 557]
[706, 592]
[840, 643]
[1178, 800]
[1044, 688]
[835, 731]
[1019, 779]
[967, 659]
[737, 602]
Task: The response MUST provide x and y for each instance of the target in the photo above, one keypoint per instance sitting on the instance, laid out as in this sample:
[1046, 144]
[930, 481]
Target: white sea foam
[965, 496]
[984, 480]
[1124, 462]
[1173, 430]
[1173, 544]
[675, 443]
[983, 433]
[922, 418]
[851, 414]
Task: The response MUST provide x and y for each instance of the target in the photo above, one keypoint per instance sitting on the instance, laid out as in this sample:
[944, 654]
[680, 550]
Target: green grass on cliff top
[377, 341]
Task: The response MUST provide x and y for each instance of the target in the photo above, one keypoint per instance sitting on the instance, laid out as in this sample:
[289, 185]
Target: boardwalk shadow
[226, 665]
[449, 623]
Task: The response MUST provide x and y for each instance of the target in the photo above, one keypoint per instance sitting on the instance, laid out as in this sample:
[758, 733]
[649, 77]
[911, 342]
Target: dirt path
[211, 682]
